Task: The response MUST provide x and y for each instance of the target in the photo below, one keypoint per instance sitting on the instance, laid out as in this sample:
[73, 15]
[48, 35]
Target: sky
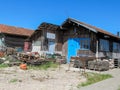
[104, 14]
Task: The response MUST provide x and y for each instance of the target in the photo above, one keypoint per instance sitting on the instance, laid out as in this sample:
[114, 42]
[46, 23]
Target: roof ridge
[15, 30]
[15, 26]
[92, 26]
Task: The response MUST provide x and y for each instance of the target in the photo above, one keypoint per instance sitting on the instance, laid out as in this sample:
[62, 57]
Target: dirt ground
[13, 78]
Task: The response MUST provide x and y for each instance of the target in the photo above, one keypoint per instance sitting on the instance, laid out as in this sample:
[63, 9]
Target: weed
[43, 66]
[13, 80]
[118, 88]
[3, 65]
[94, 78]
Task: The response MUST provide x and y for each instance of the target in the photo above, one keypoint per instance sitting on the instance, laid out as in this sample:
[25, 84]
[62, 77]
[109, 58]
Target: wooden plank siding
[79, 33]
[110, 53]
[42, 31]
[71, 29]
[14, 40]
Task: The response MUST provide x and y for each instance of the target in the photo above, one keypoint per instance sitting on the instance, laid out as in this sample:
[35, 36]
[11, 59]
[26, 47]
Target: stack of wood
[32, 58]
[10, 51]
[82, 61]
[28, 56]
[98, 65]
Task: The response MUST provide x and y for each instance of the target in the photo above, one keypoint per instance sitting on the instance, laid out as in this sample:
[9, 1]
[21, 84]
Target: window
[85, 43]
[104, 45]
[116, 47]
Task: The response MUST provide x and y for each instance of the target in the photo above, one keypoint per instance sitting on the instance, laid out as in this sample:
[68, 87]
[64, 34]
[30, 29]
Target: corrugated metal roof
[15, 30]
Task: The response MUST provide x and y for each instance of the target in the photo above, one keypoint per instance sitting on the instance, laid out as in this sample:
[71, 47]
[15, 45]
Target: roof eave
[16, 34]
[70, 20]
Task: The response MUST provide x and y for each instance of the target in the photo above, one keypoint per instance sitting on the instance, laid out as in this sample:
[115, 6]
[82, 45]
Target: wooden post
[97, 50]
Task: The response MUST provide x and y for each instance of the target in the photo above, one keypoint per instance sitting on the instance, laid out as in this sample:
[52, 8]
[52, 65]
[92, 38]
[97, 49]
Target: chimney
[118, 34]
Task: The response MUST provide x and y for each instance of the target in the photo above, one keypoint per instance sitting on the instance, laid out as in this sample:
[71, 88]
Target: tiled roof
[90, 27]
[15, 30]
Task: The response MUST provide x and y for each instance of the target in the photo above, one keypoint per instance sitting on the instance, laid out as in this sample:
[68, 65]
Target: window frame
[116, 47]
[104, 45]
[85, 43]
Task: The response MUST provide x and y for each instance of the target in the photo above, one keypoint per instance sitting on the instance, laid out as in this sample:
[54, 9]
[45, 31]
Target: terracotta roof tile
[15, 30]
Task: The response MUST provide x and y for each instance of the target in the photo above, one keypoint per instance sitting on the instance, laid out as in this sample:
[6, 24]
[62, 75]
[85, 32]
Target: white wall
[36, 46]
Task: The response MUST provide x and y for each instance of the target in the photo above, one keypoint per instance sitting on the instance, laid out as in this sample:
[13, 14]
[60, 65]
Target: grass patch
[3, 65]
[13, 80]
[44, 66]
[94, 78]
[118, 88]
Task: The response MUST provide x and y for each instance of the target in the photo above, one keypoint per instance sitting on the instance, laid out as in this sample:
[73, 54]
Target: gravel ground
[13, 78]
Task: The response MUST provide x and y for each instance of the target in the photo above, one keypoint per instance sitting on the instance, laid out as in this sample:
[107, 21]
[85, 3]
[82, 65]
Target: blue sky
[30, 14]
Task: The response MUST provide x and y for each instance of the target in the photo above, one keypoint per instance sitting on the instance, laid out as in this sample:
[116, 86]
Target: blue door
[73, 46]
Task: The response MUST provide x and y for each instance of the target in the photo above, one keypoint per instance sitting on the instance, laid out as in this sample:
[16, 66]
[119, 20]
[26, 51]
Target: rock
[1, 61]
[3, 58]
[111, 64]
[6, 62]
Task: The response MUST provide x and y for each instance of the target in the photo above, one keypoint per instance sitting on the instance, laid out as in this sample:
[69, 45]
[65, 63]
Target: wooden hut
[75, 38]
[13, 37]
[81, 39]
[44, 38]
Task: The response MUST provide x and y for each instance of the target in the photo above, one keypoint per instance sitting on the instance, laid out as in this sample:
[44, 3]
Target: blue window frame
[116, 47]
[85, 43]
[104, 45]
